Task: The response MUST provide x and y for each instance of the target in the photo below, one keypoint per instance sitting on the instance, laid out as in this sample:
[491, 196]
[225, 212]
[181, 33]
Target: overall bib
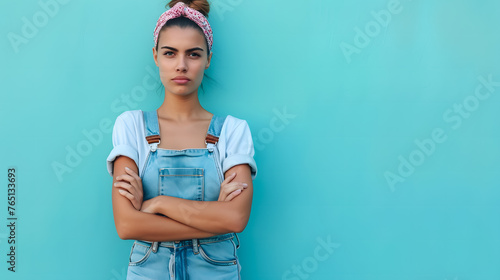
[194, 174]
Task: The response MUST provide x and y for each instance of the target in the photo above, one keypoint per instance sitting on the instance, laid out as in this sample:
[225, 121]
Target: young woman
[182, 177]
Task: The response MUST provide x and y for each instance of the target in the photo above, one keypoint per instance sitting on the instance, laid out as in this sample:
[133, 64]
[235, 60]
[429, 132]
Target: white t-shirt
[235, 142]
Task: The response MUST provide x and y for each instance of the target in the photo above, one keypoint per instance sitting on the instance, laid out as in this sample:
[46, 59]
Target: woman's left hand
[149, 206]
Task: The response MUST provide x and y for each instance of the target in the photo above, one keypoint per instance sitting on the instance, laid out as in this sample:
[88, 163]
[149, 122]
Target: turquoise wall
[375, 126]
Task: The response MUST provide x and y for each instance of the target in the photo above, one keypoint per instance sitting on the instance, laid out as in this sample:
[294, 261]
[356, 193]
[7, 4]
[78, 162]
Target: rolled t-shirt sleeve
[124, 142]
[239, 149]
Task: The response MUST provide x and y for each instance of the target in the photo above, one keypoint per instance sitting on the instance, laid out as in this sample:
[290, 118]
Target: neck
[180, 108]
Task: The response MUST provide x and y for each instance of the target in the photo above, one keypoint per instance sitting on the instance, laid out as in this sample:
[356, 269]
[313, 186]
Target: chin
[182, 91]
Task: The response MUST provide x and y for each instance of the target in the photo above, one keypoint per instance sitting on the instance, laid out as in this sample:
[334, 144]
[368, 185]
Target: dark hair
[201, 6]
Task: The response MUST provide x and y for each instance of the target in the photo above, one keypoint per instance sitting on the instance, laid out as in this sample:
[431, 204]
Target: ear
[209, 59]
[155, 56]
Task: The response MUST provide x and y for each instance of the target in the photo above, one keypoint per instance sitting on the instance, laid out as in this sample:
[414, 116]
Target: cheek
[165, 63]
[198, 68]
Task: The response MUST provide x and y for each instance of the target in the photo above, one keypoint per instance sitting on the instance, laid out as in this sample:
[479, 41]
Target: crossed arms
[185, 219]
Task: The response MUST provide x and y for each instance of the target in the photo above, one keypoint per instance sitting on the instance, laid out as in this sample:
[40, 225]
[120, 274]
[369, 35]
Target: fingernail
[233, 174]
[245, 185]
[121, 191]
[127, 168]
[115, 184]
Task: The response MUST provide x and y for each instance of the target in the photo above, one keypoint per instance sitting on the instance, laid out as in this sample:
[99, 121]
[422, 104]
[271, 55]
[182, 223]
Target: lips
[181, 78]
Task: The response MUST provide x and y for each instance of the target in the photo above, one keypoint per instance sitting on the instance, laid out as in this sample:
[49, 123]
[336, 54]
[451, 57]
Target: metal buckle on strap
[210, 141]
[154, 146]
[210, 146]
[211, 149]
[153, 141]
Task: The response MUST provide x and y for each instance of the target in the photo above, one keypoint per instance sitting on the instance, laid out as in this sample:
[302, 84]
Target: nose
[181, 64]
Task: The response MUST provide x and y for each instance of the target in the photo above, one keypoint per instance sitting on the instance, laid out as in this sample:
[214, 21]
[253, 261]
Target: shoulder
[129, 123]
[231, 123]
[131, 116]
[235, 129]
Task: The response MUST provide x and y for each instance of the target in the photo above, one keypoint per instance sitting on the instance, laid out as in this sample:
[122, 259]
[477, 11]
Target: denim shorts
[210, 258]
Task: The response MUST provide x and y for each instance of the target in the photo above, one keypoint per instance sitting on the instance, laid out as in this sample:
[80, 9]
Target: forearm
[150, 227]
[212, 216]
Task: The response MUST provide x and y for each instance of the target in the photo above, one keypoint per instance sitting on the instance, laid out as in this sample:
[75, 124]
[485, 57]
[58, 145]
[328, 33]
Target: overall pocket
[221, 253]
[186, 183]
[139, 253]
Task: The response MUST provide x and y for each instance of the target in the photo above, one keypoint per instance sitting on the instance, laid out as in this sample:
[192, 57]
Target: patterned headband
[181, 9]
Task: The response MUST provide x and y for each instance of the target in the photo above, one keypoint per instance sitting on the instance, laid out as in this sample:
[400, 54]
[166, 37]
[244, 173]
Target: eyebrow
[189, 50]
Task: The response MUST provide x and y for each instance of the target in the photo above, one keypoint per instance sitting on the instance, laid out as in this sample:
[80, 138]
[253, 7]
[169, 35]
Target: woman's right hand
[229, 190]
[131, 187]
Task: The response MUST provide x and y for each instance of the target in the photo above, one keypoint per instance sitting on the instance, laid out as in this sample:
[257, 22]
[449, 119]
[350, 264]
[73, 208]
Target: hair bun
[201, 6]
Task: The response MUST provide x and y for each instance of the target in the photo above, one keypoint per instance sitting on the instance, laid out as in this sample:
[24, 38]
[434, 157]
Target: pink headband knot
[181, 9]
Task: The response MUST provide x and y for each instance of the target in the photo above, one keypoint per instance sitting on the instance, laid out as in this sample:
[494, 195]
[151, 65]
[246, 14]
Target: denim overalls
[194, 174]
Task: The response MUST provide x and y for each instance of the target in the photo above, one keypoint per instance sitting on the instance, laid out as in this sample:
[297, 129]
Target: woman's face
[181, 52]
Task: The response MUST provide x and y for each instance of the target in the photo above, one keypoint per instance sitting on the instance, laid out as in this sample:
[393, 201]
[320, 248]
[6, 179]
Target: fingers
[127, 178]
[229, 189]
[127, 195]
[130, 190]
[229, 178]
[133, 174]
[129, 185]
[233, 195]
[130, 176]
[133, 179]
[125, 185]
[135, 203]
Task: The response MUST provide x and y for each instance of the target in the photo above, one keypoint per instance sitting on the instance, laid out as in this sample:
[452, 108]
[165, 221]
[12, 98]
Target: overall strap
[214, 131]
[211, 140]
[152, 129]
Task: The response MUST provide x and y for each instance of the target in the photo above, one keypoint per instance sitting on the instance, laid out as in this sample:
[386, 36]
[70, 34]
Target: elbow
[123, 230]
[238, 223]
[123, 235]
[128, 225]
[238, 228]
